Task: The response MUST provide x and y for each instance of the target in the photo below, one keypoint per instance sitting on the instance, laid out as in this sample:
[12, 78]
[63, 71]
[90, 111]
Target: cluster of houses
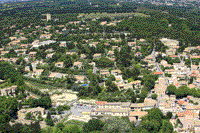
[180, 73]
[9, 91]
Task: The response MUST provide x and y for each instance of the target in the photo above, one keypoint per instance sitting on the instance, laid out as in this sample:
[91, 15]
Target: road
[161, 87]
[77, 109]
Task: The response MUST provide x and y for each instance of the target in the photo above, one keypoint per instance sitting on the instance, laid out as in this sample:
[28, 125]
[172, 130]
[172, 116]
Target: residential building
[197, 82]
[78, 65]
[55, 75]
[71, 53]
[34, 111]
[131, 44]
[10, 91]
[116, 72]
[59, 64]
[136, 115]
[32, 54]
[97, 56]
[136, 83]
[81, 78]
[62, 44]
[37, 72]
[104, 73]
[4, 52]
[83, 56]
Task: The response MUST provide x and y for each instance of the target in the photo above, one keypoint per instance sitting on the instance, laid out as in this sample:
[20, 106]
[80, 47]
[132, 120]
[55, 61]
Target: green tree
[92, 125]
[11, 54]
[49, 120]
[45, 102]
[104, 62]
[117, 124]
[28, 116]
[166, 127]
[171, 89]
[60, 126]
[169, 115]
[68, 61]
[182, 91]
[154, 96]
[71, 129]
[39, 118]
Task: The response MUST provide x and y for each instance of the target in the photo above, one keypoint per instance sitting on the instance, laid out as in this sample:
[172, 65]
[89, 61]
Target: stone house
[59, 64]
[10, 91]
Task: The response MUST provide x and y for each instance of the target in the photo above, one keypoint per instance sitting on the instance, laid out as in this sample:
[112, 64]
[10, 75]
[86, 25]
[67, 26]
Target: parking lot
[77, 109]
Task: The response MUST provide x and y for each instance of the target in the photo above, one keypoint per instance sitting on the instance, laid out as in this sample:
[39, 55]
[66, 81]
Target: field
[99, 15]
[38, 85]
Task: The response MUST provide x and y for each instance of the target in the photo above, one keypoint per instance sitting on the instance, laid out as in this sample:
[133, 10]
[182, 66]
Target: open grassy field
[99, 15]
[37, 85]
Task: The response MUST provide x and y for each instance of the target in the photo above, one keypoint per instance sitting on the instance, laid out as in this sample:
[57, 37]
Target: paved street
[77, 109]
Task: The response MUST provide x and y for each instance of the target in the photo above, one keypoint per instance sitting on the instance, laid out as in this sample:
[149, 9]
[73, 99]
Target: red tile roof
[173, 56]
[158, 73]
[101, 102]
[180, 102]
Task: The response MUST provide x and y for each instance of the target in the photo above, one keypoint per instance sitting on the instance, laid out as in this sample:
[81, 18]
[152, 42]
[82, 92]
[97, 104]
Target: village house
[116, 47]
[34, 111]
[163, 62]
[32, 55]
[197, 82]
[27, 69]
[13, 38]
[131, 44]
[111, 108]
[110, 53]
[55, 75]
[37, 72]
[59, 64]
[103, 23]
[138, 54]
[49, 50]
[170, 51]
[81, 79]
[137, 106]
[85, 101]
[142, 40]
[174, 56]
[83, 56]
[93, 44]
[97, 56]
[78, 65]
[13, 60]
[45, 36]
[136, 115]
[24, 46]
[63, 44]
[186, 124]
[4, 52]
[49, 55]
[10, 91]
[194, 57]
[104, 73]
[169, 42]
[116, 72]
[111, 24]
[71, 53]
[136, 83]
[160, 74]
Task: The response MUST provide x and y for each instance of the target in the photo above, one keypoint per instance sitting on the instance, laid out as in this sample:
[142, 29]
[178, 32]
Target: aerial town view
[99, 66]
